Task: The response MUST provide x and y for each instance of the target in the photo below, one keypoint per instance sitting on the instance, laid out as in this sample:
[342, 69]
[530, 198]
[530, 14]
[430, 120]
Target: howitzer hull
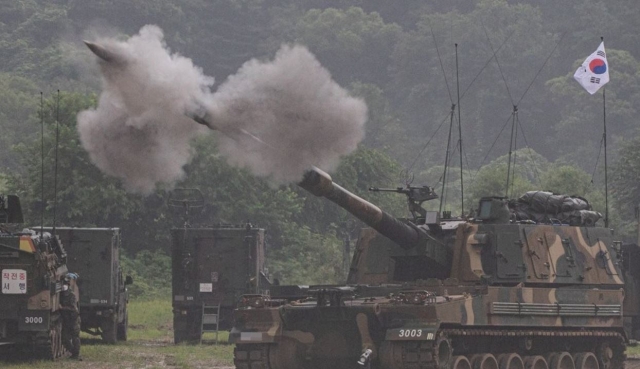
[520, 323]
[534, 296]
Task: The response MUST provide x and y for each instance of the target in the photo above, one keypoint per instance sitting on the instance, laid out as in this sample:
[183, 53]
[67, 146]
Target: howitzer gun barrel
[320, 184]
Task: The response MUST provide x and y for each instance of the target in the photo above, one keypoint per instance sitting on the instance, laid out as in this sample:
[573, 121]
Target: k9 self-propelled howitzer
[492, 291]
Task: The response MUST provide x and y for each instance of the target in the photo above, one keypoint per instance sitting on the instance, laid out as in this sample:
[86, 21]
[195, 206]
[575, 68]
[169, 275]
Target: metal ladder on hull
[210, 320]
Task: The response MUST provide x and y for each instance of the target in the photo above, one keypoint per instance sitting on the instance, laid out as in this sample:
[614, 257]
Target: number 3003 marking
[404, 333]
[33, 320]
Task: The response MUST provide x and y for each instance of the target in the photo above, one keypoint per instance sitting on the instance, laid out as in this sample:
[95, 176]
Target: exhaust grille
[515, 308]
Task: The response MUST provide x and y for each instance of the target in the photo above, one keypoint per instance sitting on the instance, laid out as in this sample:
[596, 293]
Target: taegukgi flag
[594, 72]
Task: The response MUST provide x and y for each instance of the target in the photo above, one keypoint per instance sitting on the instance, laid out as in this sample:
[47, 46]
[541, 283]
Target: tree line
[399, 56]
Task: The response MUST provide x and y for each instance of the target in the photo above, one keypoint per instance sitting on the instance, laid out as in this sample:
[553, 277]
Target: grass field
[150, 346]
[633, 350]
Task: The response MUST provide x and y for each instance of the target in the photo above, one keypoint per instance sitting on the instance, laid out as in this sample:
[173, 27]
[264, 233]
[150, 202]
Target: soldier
[70, 317]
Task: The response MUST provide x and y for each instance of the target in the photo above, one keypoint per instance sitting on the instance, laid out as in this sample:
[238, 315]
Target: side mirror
[128, 280]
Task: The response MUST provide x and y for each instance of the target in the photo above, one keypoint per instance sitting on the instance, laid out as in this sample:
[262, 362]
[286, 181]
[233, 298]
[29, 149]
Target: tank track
[48, 345]
[607, 347]
[609, 351]
[558, 340]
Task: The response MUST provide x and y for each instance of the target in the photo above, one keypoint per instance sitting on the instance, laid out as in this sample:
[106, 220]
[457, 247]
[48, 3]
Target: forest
[486, 85]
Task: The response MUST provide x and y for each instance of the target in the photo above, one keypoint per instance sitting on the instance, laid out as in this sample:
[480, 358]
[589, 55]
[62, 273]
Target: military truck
[212, 268]
[501, 289]
[32, 265]
[94, 254]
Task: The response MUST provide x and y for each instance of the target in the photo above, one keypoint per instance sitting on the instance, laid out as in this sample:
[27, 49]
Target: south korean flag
[594, 72]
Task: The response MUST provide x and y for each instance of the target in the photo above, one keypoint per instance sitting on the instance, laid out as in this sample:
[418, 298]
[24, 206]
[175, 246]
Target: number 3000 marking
[32, 320]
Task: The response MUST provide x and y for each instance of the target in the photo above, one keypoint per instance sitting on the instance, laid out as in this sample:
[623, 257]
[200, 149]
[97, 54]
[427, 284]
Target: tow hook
[365, 358]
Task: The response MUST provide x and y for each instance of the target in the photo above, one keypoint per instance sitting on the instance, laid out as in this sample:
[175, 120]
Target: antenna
[55, 172]
[187, 199]
[514, 114]
[515, 155]
[42, 163]
[444, 118]
[446, 159]
[460, 136]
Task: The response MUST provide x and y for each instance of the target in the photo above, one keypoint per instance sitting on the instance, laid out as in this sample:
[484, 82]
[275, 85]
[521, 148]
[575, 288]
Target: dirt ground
[633, 362]
[143, 354]
[131, 355]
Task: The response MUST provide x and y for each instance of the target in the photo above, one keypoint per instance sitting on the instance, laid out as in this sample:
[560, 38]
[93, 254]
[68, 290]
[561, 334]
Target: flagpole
[606, 179]
[604, 138]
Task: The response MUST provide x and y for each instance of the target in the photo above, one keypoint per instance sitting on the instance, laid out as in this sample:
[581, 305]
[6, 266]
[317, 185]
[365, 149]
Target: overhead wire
[486, 64]
[446, 82]
[461, 97]
[542, 67]
[523, 96]
[506, 85]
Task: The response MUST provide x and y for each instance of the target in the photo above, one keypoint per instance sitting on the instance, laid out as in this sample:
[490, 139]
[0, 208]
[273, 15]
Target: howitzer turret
[415, 241]
[405, 235]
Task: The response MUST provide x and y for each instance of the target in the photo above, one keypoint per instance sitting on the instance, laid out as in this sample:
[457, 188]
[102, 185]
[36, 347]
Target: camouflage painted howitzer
[433, 293]
[32, 268]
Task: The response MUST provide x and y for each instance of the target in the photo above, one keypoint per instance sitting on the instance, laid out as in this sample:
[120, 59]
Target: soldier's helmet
[66, 279]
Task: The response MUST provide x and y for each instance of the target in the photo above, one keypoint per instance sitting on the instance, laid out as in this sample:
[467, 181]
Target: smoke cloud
[277, 118]
[292, 105]
[139, 132]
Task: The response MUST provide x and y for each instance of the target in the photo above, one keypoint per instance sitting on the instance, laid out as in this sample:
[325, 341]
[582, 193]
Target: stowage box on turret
[212, 268]
[94, 254]
[509, 288]
[32, 266]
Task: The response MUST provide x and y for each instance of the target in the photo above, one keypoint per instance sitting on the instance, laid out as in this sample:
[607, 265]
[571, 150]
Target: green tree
[624, 185]
[18, 104]
[149, 271]
[566, 179]
[351, 44]
[579, 133]
[423, 70]
[383, 126]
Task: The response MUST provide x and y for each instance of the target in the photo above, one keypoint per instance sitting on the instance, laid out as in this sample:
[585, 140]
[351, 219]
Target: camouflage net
[546, 207]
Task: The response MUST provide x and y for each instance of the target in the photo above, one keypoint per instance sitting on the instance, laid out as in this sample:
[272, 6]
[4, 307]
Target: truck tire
[123, 327]
[110, 330]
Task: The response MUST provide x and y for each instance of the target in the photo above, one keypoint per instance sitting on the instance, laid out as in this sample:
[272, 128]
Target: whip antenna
[459, 136]
[42, 163]
[55, 172]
